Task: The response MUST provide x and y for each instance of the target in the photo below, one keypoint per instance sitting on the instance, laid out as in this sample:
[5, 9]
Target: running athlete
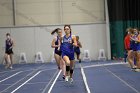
[67, 47]
[133, 48]
[128, 48]
[57, 53]
[9, 44]
[137, 40]
[77, 49]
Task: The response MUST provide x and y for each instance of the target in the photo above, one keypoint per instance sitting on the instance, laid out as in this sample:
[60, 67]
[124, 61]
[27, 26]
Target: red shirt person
[127, 42]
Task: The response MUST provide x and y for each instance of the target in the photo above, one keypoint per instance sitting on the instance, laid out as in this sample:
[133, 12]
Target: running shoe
[71, 80]
[11, 67]
[80, 61]
[137, 70]
[63, 76]
[67, 78]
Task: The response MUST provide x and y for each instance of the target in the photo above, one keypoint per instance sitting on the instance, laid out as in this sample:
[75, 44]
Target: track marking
[123, 81]
[50, 82]
[48, 69]
[49, 91]
[34, 70]
[11, 76]
[107, 64]
[85, 79]
[4, 74]
[25, 82]
[10, 70]
[33, 83]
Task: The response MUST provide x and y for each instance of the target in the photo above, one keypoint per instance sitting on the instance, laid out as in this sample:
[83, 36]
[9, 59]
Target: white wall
[6, 13]
[51, 12]
[33, 39]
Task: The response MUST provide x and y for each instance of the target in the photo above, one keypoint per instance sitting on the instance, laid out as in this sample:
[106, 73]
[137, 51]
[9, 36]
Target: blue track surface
[100, 79]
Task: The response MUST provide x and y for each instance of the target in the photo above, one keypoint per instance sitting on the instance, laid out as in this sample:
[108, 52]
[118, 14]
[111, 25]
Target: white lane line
[34, 70]
[11, 76]
[85, 80]
[49, 91]
[10, 70]
[107, 64]
[25, 82]
[123, 81]
[49, 69]
[4, 74]
[50, 81]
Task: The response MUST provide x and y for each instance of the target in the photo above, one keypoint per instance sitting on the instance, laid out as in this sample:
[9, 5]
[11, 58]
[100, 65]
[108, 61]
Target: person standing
[9, 44]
